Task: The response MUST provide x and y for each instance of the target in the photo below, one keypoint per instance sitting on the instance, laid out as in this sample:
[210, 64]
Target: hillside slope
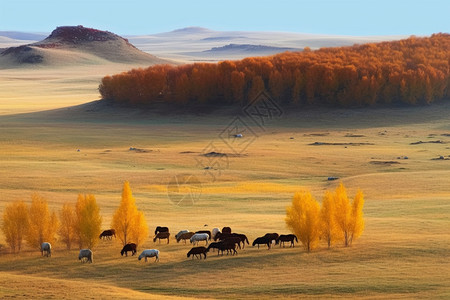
[70, 45]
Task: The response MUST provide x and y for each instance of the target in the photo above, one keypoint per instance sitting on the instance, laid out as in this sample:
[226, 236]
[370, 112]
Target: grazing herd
[224, 240]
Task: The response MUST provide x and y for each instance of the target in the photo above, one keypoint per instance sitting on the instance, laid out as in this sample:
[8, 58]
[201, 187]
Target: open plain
[56, 142]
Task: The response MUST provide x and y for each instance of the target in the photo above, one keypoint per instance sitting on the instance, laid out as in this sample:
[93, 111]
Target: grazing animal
[128, 247]
[86, 255]
[196, 238]
[205, 231]
[233, 240]
[221, 236]
[107, 234]
[161, 236]
[47, 248]
[214, 245]
[214, 232]
[230, 247]
[243, 238]
[272, 236]
[197, 252]
[149, 253]
[286, 238]
[180, 233]
[185, 236]
[226, 230]
[161, 229]
[261, 241]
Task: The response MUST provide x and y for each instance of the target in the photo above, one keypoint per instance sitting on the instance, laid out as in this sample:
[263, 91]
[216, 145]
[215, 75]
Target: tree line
[336, 220]
[410, 71]
[77, 224]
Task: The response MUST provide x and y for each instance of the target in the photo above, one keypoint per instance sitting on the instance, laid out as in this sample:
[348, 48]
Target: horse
[286, 238]
[230, 247]
[243, 238]
[221, 236]
[107, 234]
[161, 236]
[214, 245]
[180, 233]
[47, 248]
[161, 229]
[272, 236]
[128, 247]
[197, 251]
[262, 240]
[86, 255]
[196, 238]
[226, 230]
[214, 232]
[205, 231]
[234, 240]
[185, 236]
[149, 253]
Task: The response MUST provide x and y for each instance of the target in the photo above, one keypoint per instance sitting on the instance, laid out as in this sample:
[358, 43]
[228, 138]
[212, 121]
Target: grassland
[403, 252]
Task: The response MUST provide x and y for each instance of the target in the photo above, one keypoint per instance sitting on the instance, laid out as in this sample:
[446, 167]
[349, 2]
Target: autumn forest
[411, 71]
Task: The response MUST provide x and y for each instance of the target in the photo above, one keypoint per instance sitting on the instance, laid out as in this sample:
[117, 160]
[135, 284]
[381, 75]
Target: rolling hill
[76, 45]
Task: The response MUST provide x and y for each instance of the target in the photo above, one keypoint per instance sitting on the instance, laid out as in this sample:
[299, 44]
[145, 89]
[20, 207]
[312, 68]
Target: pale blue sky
[351, 17]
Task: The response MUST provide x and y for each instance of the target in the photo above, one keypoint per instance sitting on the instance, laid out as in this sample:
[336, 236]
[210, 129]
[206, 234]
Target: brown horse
[286, 238]
[107, 234]
[185, 236]
[272, 236]
[161, 229]
[128, 247]
[261, 241]
[226, 230]
[197, 251]
[162, 236]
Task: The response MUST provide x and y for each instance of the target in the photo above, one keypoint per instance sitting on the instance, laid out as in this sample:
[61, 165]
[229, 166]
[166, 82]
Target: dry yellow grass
[403, 252]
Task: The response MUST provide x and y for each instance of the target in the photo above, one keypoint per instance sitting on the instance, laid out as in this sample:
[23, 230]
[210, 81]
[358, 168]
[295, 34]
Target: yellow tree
[67, 227]
[329, 228]
[128, 222]
[42, 224]
[357, 220]
[303, 219]
[15, 224]
[139, 229]
[89, 221]
[349, 217]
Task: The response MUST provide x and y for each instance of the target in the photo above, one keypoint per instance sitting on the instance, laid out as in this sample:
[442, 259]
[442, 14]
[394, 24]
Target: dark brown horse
[226, 230]
[272, 236]
[161, 229]
[128, 247]
[197, 252]
[107, 234]
[261, 241]
[162, 236]
[286, 238]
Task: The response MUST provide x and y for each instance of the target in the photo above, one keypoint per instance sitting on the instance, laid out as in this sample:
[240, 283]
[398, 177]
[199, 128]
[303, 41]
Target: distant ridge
[76, 45]
[251, 48]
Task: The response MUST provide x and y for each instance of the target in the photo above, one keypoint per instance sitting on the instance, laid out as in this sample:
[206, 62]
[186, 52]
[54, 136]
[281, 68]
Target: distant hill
[262, 49]
[76, 45]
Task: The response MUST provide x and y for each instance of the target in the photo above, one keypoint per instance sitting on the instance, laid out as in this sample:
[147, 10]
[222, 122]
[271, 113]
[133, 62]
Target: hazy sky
[351, 17]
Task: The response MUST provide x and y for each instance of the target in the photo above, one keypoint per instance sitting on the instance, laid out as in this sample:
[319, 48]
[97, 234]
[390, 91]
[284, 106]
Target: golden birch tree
[329, 228]
[89, 221]
[303, 219]
[349, 217]
[129, 223]
[15, 224]
[67, 227]
[42, 224]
